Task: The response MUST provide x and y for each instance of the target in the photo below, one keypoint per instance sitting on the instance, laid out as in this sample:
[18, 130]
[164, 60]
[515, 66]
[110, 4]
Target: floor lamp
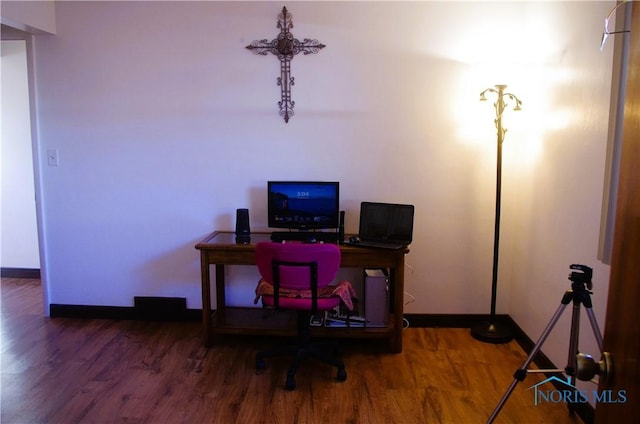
[494, 331]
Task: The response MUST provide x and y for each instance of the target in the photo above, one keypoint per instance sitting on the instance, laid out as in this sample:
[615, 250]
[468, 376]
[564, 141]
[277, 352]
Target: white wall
[165, 124]
[19, 237]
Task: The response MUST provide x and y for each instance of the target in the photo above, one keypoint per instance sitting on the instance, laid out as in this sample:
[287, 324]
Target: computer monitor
[303, 205]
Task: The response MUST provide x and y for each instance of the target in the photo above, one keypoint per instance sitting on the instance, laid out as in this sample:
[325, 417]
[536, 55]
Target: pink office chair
[300, 270]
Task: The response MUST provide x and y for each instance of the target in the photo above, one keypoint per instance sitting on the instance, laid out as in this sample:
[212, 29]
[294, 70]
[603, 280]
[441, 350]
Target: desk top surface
[226, 240]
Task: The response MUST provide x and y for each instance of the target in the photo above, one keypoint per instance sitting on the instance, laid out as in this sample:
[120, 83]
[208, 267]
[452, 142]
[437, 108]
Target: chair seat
[324, 303]
[342, 291]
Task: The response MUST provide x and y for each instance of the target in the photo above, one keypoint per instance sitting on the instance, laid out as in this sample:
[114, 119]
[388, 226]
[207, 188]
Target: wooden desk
[220, 249]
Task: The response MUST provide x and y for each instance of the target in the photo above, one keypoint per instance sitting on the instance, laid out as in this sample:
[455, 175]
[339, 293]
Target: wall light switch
[52, 157]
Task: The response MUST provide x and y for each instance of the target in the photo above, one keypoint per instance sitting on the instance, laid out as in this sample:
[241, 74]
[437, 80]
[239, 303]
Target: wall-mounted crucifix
[285, 47]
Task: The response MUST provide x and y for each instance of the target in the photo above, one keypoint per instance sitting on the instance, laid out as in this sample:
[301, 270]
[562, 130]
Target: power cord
[405, 322]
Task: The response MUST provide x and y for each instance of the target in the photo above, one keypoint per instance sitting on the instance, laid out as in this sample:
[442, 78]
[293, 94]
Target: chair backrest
[296, 277]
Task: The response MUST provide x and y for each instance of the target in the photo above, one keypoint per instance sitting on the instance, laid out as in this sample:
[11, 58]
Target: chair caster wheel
[342, 374]
[291, 383]
[260, 364]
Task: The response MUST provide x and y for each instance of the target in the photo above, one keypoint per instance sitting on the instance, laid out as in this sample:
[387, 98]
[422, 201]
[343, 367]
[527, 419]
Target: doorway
[19, 254]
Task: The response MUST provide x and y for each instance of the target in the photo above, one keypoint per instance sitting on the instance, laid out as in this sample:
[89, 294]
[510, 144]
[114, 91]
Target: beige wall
[36, 17]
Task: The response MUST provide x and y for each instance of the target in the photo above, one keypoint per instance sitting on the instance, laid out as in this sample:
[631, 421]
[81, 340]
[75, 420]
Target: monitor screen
[303, 205]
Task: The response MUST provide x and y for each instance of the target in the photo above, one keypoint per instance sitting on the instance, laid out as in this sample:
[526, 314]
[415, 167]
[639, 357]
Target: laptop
[385, 225]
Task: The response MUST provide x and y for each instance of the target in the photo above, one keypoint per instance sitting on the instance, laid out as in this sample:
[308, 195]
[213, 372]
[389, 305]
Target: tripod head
[581, 277]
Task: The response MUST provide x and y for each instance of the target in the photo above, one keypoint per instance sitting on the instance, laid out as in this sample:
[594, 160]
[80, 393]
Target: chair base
[305, 349]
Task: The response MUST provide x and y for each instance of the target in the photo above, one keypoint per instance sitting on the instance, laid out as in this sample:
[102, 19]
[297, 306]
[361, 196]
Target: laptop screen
[386, 222]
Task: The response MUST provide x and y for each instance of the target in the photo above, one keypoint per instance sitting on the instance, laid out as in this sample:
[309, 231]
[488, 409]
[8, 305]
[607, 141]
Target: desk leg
[395, 343]
[206, 299]
[220, 297]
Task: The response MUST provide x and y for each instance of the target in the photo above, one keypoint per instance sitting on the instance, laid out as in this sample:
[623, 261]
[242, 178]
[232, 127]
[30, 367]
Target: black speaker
[243, 231]
[341, 228]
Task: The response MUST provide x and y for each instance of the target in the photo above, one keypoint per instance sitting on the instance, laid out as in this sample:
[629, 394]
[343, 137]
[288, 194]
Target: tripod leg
[594, 327]
[521, 373]
[572, 359]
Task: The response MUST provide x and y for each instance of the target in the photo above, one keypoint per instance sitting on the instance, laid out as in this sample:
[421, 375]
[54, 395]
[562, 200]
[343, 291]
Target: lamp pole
[494, 331]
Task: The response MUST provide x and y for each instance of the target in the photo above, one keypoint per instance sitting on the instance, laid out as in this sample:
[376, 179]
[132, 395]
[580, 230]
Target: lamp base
[491, 332]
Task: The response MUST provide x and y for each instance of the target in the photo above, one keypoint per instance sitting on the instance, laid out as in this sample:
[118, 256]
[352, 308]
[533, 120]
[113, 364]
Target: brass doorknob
[587, 368]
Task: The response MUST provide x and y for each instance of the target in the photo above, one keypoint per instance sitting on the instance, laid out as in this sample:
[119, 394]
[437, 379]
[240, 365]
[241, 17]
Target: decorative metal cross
[285, 47]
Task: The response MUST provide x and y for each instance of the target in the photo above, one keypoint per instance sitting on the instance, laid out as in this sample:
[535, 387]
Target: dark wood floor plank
[107, 371]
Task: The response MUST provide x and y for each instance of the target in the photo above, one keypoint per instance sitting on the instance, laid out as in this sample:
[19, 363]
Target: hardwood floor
[106, 371]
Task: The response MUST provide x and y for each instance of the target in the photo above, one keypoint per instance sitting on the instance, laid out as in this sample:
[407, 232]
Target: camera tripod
[579, 294]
